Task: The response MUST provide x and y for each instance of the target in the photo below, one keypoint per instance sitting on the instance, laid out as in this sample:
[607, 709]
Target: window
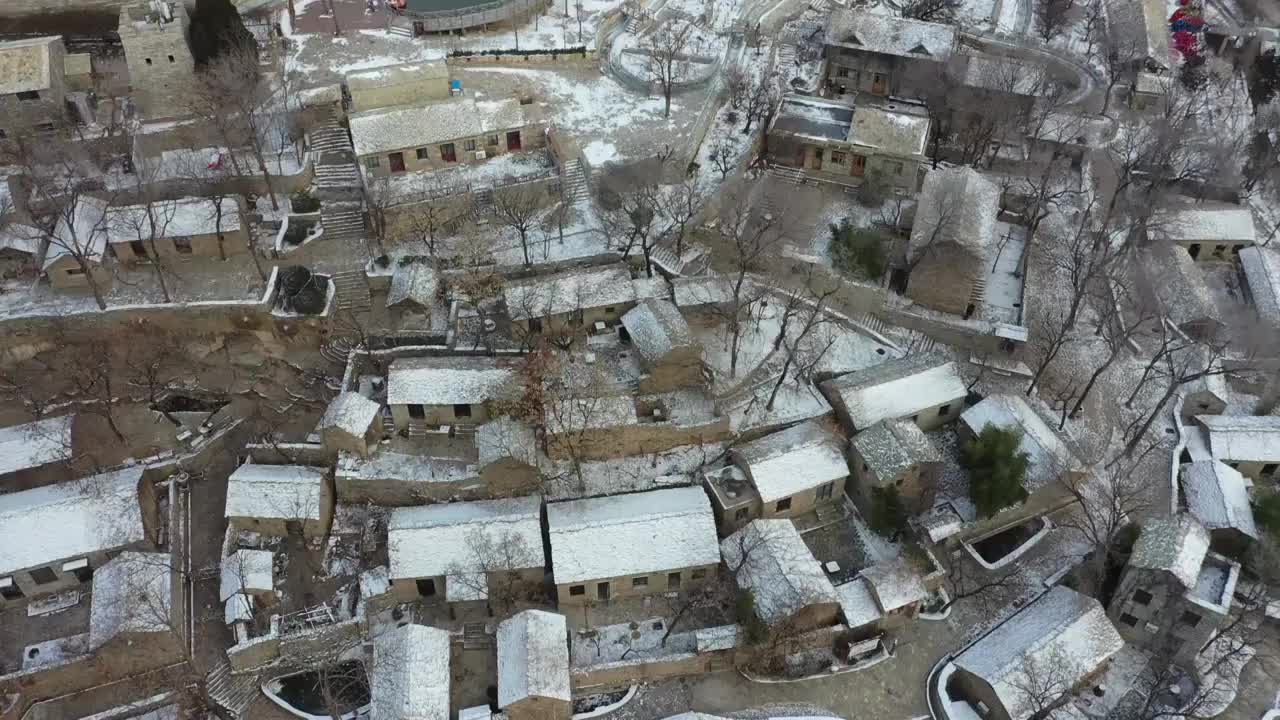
[842, 72]
[577, 590]
[837, 157]
[182, 245]
[914, 418]
[864, 467]
[1270, 468]
[417, 412]
[535, 324]
[895, 168]
[426, 587]
[1142, 597]
[448, 153]
[784, 504]
[421, 154]
[170, 58]
[75, 271]
[491, 140]
[639, 582]
[697, 574]
[44, 127]
[825, 491]
[462, 410]
[610, 310]
[469, 145]
[9, 590]
[1129, 620]
[602, 591]
[29, 95]
[42, 576]
[673, 580]
[742, 514]
[148, 61]
[1189, 619]
[2, 135]
[944, 410]
[371, 163]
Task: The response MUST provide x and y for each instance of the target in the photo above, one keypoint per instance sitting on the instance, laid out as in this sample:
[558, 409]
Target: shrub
[1266, 512]
[996, 469]
[888, 516]
[304, 202]
[302, 291]
[744, 608]
[858, 251]
[215, 28]
[873, 191]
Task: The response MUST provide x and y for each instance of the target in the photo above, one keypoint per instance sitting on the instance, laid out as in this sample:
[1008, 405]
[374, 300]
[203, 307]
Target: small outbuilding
[1218, 496]
[662, 338]
[353, 423]
[438, 391]
[952, 239]
[769, 559]
[410, 677]
[926, 389]
[894, 456]
[533, 666]
[1250, 444]
[279, 500]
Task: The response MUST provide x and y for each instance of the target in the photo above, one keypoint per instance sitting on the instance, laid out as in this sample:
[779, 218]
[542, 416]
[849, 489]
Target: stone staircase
[343, 221]
[694, 261]
[474, 636]
[352, 287]
[874, 324]
[233, 693]
[634, 24]
[574, 178]
[401, 30]
[337, 349]
[795, 176]
[786, 58]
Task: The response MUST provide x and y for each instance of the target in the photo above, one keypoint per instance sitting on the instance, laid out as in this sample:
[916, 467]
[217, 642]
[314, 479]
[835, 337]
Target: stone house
[883, 54]
[1148, 91]
[80, 230]
[1173, 282]
[578, 300]
[36, 453]
[661, 336]
[1261, 266]
[176, 229]
[414, 298]
[1217, 496]
[769, 559]
[1144, 25]
[67, 533]
[472, 553]
[441, 134]
[1174, 593]
[400, 473]
[410, 676]
[158, 54]
[630, 546]
[351, 423]
[1246, 443]
[885, 141]
[533, 666]
[1207, 232]
[894, 455]
[32, 85]
[280, 500]
[1061, 632]
[435, 391]
[787, 474]
[898, 587]
[925, 389]
[134, 603]
[1207, 396]
[391, 85]
[952, 238]
[613, 426]
[19, 249]
[1052, 466]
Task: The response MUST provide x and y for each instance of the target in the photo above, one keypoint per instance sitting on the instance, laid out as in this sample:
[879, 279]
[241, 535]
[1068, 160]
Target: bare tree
[681, 204]
[633, 223]
[940, 11]
[752, 242]
[668, 60]
[761, 101]
[1041, 683]
[517, 209]
[494, 570]
[1052, 17]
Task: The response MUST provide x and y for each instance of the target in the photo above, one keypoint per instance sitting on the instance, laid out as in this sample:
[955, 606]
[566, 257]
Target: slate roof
[533, 657]
[779, 570]
[1175, 545]
[447, 380]
[957, 206]
[410, 677]
[656, 328]
[391, 75]
[1049, 456]
[892, 447]
[246, 571]
[1218, 496]
[132, 593]
[351, 412]
[1206, 224]
[84, 232]
[449, 539]
[283, 492]
[792, 461]
[897, 388]
[1262, 270]
[388, 129]
[35, 444]
[1243, 438]
[896, 583]
[413, 283]
[185, 217]
[563, 292]
[890, 35]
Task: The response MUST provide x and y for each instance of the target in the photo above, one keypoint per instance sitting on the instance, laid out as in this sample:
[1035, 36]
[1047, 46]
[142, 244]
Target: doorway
[139, 249]
[817, 159]
[397, 162]
[513, 140]
[602, 591]
[857, 165]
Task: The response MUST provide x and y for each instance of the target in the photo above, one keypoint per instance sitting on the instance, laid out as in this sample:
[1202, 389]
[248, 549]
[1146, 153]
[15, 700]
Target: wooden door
[397, 162]
[857, 165]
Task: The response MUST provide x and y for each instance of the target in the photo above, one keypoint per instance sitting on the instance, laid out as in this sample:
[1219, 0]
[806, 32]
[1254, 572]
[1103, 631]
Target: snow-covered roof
[416, 282]
[720, 637]
[1243, 438]
[25, 65]
[1144, 23]
[285, 492]
[246, 571]
[858, 603]
[956, 206]
[505, 438]
[447, 380]
[656, 328]
[350, 412]
[634, 534]
[791, 461]
[410, 676]
[890, 35]
[533, 657]
[779, 570]
[1216, 224]
[321, 95]
[19, 238]
[1262, 269]
[467, 537]
[185, 217]
[1061, 630]
[897, 388]
[132, 593]
[891, 447]
[391, 75]
[896, 583]
[1175, 282]
[563, 292]
[35, 444]
[898, 131]
[1048, 456]
[1218, 496]
[1175, 545]
[70, 519]
[83, 233]
[388, 129]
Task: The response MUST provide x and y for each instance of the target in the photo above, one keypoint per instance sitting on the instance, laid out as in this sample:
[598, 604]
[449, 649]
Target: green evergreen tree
[215, 27]
[858, 251]
[996, 469]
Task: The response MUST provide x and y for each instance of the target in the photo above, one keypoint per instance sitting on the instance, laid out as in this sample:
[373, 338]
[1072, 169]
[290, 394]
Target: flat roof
[25, 64]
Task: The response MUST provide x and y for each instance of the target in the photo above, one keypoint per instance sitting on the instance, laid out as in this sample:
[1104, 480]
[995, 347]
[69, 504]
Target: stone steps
[352, 288]
[575, 181]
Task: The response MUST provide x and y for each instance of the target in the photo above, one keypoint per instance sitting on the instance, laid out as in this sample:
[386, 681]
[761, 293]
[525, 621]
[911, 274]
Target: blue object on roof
[455, 84]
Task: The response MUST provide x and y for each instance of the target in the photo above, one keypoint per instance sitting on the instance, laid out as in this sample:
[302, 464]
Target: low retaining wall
[566, 55]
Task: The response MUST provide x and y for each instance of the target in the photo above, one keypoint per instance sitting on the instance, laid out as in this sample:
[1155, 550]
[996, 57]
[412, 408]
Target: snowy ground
[320, 59]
